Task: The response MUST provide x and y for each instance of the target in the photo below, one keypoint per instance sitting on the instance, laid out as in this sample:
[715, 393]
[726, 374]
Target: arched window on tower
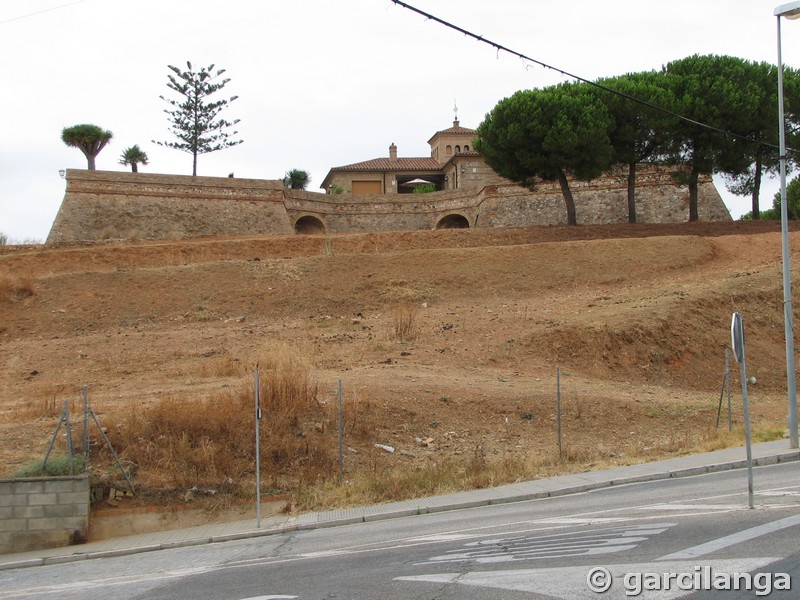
[449, 150]
[466, 148]
[458, 149]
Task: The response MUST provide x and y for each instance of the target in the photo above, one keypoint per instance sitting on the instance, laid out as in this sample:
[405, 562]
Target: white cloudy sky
[321, 83]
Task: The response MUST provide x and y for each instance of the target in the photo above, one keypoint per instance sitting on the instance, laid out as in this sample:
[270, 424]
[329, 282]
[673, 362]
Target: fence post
[86, 424]
[258, 449]
[341, 435]
[558, 408]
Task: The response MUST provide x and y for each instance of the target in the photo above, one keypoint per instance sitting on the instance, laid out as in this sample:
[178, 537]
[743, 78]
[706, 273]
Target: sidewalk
[731, 458]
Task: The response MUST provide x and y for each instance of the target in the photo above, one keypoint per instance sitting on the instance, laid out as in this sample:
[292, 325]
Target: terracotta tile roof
[454, 130]
[393, 164]
[458, 131]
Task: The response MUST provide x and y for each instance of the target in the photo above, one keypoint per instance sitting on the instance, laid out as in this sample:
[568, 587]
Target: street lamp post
[790, 10]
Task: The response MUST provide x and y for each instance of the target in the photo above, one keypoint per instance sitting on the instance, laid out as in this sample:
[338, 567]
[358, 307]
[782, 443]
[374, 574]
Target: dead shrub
[183, 443]
[14, 289]
[404, 317]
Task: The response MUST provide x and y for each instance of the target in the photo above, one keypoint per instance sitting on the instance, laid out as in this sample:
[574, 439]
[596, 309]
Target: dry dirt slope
[636, 318]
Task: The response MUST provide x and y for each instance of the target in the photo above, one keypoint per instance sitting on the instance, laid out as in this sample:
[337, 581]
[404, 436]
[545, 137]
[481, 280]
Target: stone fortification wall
[381, 212]
[604, 200]
[45, 512]
[111, 205]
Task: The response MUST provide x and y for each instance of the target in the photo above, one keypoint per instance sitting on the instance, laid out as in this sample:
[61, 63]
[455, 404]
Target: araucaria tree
[194, 119]
[89, 139]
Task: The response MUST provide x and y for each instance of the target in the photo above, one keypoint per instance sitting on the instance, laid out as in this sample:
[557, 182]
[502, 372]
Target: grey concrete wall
[43, 512]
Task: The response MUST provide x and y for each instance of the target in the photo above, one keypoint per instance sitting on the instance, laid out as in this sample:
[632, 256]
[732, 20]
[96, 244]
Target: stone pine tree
[133, 156]
[761, 128]
[716, 96]
[639, 132]
[89, 139]
[545, 134]
[194, 118]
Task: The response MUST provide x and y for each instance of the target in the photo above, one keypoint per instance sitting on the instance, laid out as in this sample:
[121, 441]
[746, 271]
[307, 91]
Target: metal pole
[737, 337]
[558, 408]
[70, 452]
[86, 424]
[258, 450]
[341, 435]
[788, 329]
[728, 387]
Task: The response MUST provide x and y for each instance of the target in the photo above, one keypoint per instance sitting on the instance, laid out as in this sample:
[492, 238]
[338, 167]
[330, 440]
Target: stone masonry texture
[106, 205]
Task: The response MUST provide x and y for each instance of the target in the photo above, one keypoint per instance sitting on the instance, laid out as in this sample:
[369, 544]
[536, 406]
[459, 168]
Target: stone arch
[453, 221]
[309, 225]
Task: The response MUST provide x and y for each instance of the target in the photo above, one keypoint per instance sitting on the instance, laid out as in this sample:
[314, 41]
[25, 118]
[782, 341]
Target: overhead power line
[501, 48]
[39, 12]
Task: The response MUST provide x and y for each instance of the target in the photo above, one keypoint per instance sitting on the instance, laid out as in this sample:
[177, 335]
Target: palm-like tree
[133, 156]
[89, 139]
[296, 179]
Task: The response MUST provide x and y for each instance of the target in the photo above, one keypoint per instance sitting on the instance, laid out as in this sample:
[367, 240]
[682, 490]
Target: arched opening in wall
[309, 226]
[453, 222]
[466, 148]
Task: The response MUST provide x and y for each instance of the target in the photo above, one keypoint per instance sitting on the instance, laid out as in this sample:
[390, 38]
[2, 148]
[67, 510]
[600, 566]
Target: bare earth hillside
[636, 317]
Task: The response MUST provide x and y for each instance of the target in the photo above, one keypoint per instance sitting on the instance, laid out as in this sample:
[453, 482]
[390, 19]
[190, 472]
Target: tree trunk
[194, 164]
[693, 215]
[134, 167]
[632, 192]
[756, 189]
[90, 160]
[568, 199]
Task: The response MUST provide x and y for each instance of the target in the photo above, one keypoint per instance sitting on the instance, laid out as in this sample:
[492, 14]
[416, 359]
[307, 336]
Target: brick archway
[309, 225]
[454, 221]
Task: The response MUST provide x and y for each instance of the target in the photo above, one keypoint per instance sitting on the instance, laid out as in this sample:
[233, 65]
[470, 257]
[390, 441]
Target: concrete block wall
[43, 512]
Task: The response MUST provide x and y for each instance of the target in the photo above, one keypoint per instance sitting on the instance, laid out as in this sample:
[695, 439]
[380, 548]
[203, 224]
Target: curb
[292, 525]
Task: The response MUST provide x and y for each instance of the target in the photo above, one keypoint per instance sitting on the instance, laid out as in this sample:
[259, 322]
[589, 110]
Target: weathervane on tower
[455, 110]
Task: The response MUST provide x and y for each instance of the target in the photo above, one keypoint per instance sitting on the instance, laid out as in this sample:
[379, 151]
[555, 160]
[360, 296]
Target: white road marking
[569, 583]
[731, 540]
[716, 507]
[578, 543]
[441, 537]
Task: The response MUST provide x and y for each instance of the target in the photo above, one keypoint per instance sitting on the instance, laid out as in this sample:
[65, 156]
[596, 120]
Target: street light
[790, 10]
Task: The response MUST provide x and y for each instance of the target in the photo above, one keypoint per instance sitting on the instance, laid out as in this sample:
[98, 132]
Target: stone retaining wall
[43, 512]
[101, 205]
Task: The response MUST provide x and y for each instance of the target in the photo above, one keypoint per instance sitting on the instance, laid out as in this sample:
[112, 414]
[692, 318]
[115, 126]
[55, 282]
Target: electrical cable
[499, 47]
[40, 12]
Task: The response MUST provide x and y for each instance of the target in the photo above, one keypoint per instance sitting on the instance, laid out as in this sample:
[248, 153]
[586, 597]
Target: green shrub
[56, 466]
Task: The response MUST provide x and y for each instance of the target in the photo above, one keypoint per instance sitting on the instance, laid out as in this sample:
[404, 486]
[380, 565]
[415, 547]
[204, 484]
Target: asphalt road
[667, 539]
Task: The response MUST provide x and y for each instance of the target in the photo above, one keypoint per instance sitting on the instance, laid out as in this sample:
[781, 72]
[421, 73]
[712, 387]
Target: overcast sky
[321, 83]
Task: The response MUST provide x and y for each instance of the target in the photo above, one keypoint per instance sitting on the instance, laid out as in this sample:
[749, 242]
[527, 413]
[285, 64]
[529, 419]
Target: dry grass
[379, 485]
[14, 289]
[210, 443]
[404, 318]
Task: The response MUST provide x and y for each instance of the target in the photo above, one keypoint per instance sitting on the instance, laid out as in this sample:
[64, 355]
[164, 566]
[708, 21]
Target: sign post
[258, 449]
[737, 342]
